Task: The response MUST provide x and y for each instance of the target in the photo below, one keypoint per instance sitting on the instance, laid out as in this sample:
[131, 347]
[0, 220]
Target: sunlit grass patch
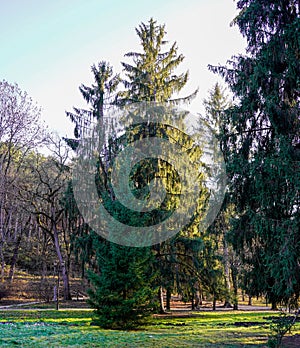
[66, 328]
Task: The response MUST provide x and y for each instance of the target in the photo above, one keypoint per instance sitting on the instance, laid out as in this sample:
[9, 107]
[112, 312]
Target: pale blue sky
[48, 46]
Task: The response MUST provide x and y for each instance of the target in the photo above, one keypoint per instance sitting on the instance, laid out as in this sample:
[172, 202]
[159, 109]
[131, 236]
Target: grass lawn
[66, 328]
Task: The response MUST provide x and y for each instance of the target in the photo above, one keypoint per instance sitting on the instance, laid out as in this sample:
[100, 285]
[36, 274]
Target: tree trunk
[161, 300]
[14, 258]
[235, 288]
[227, 303]
[214, 303]
[197, 299]
[273, 305]
[65, 276]
[2, 261]
[168, 301]
[201, 296]
[250, 301]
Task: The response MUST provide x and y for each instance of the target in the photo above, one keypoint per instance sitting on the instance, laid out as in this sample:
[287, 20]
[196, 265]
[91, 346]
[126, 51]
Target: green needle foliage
[125, 278]
[99, 96]
[261, 140]
[123, 293]
[151, 76]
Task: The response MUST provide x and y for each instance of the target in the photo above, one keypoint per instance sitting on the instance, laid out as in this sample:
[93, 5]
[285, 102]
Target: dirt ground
[177, 306]
[291, 341]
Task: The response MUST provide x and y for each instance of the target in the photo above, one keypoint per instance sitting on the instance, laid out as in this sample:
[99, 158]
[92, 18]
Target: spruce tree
[261, 146]
[151, 75]
[216, 105]
[99, 97]
[122, 290]
[151, 79]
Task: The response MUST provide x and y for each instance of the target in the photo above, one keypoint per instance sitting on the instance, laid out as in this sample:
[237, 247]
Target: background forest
[251, 248]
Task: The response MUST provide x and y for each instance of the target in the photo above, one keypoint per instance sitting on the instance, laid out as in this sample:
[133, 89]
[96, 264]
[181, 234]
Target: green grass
[72, 328]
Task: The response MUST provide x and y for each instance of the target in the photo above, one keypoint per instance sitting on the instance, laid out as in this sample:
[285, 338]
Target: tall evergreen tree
[261, 137]
[99, 97]
[152, 79]
[121, 277]
[151, 76]
[215, 106]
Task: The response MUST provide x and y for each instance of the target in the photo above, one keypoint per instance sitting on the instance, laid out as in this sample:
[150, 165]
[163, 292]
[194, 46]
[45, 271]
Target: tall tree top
[151, 77]
[267, 80]
[98, 96]
[272, 18]
[215, 105]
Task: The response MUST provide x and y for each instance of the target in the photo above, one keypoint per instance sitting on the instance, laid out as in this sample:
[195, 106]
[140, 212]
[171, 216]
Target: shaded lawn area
[72, 328]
